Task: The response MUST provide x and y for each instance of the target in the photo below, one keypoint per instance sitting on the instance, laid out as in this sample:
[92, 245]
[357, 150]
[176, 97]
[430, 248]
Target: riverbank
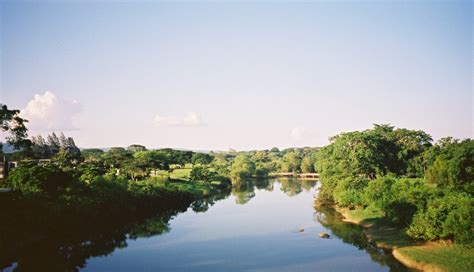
[425, 256]
[312, 176]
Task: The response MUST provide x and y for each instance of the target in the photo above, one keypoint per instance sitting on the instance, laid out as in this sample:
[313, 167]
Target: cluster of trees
[244, 165]
[115, 171]
[42, 149]
[425, 188]
[94, 179]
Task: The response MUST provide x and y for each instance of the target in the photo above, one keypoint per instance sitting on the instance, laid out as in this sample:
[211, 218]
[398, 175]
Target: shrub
[349, 191]
[447, 217]
[43, 181]
[378, 193]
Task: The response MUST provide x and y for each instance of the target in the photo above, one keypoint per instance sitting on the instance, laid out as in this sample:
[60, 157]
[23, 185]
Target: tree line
[423, 187]
[427, 188]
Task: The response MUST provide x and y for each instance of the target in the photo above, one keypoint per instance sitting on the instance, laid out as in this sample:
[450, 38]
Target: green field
[176, 174]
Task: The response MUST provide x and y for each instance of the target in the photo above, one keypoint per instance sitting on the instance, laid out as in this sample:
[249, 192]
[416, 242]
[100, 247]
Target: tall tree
[54, 144]
[10, 121]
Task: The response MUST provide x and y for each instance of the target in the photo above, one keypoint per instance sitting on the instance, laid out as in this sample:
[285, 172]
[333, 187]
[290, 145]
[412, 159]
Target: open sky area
[202, 75]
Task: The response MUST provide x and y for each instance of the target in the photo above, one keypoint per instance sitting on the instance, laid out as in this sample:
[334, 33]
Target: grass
[359, 215]
[181, 173]
[429, 256]
[444, 257]
[176, 174]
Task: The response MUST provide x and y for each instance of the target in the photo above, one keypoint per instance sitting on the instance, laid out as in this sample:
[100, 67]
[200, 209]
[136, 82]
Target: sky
[241, 75]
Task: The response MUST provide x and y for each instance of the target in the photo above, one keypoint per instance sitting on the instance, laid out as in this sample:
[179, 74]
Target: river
[269, 225]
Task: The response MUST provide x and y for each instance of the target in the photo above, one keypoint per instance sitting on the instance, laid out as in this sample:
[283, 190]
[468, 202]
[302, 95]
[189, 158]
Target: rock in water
[324, 235]
[299, 230]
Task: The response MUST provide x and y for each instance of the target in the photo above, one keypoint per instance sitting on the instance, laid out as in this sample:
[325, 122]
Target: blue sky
[237, 75]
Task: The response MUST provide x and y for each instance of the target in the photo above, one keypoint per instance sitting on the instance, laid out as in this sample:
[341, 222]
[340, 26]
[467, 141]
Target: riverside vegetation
[403, 188]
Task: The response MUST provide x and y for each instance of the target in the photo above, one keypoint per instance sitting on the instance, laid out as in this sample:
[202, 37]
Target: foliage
[201, 158]
[348, 192]
[307, 164]
[199, 173]
[449, 216]
[291, 162]
[427, 189]
[454, 166]
[136, 147]
[242, 168]
[40, 181]
[92, 153]
[11, 121]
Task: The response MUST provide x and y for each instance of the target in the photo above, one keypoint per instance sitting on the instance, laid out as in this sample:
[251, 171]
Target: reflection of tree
[38, 240]
[308, 184]
[265, 184]
[244, 191]
[153, 226]
[290, 186]
[202, 205]
[353, 234]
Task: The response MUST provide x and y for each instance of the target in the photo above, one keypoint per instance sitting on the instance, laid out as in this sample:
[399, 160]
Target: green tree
[201, 158]
[92, 153]
[242, 168]
[39, 147]
[307, 165]
[43, 181]
[454, 166]
[115, 157]
[11, 121]
[136, 148]
[291, 162]
[201, 173]
[54, 145]
[90, 170]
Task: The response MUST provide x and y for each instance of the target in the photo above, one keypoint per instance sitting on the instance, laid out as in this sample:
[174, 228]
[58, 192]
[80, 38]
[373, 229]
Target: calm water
[252, 229]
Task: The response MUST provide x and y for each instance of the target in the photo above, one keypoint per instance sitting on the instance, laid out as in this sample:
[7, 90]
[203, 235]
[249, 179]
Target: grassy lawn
[181, 173]
[360, 216]
[446, 257]
[429, 256]
[177, 174]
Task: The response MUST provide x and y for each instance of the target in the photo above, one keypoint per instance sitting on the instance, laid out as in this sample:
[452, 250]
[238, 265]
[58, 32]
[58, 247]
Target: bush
[42, 181]
[378, 193]
[349, 191]
[400, 212]
[447, 217]
[261, 171]
[200, 173]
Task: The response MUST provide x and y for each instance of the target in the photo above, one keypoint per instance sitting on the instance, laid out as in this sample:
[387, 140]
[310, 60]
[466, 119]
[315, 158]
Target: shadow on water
[354, 235]
[65, 245]
[33, 240]
[245, 190]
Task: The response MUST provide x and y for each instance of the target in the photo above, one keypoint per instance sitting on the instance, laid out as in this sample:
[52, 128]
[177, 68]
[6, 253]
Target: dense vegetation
[55, 171]
[426, 189]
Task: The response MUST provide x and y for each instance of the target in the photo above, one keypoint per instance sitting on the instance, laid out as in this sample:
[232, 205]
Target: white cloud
[191, 119]
[297, 133]
[46, 112]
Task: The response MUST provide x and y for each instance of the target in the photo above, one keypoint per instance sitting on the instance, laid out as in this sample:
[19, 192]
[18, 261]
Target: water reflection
[353, 234]
[244, 191]
[68, 245]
